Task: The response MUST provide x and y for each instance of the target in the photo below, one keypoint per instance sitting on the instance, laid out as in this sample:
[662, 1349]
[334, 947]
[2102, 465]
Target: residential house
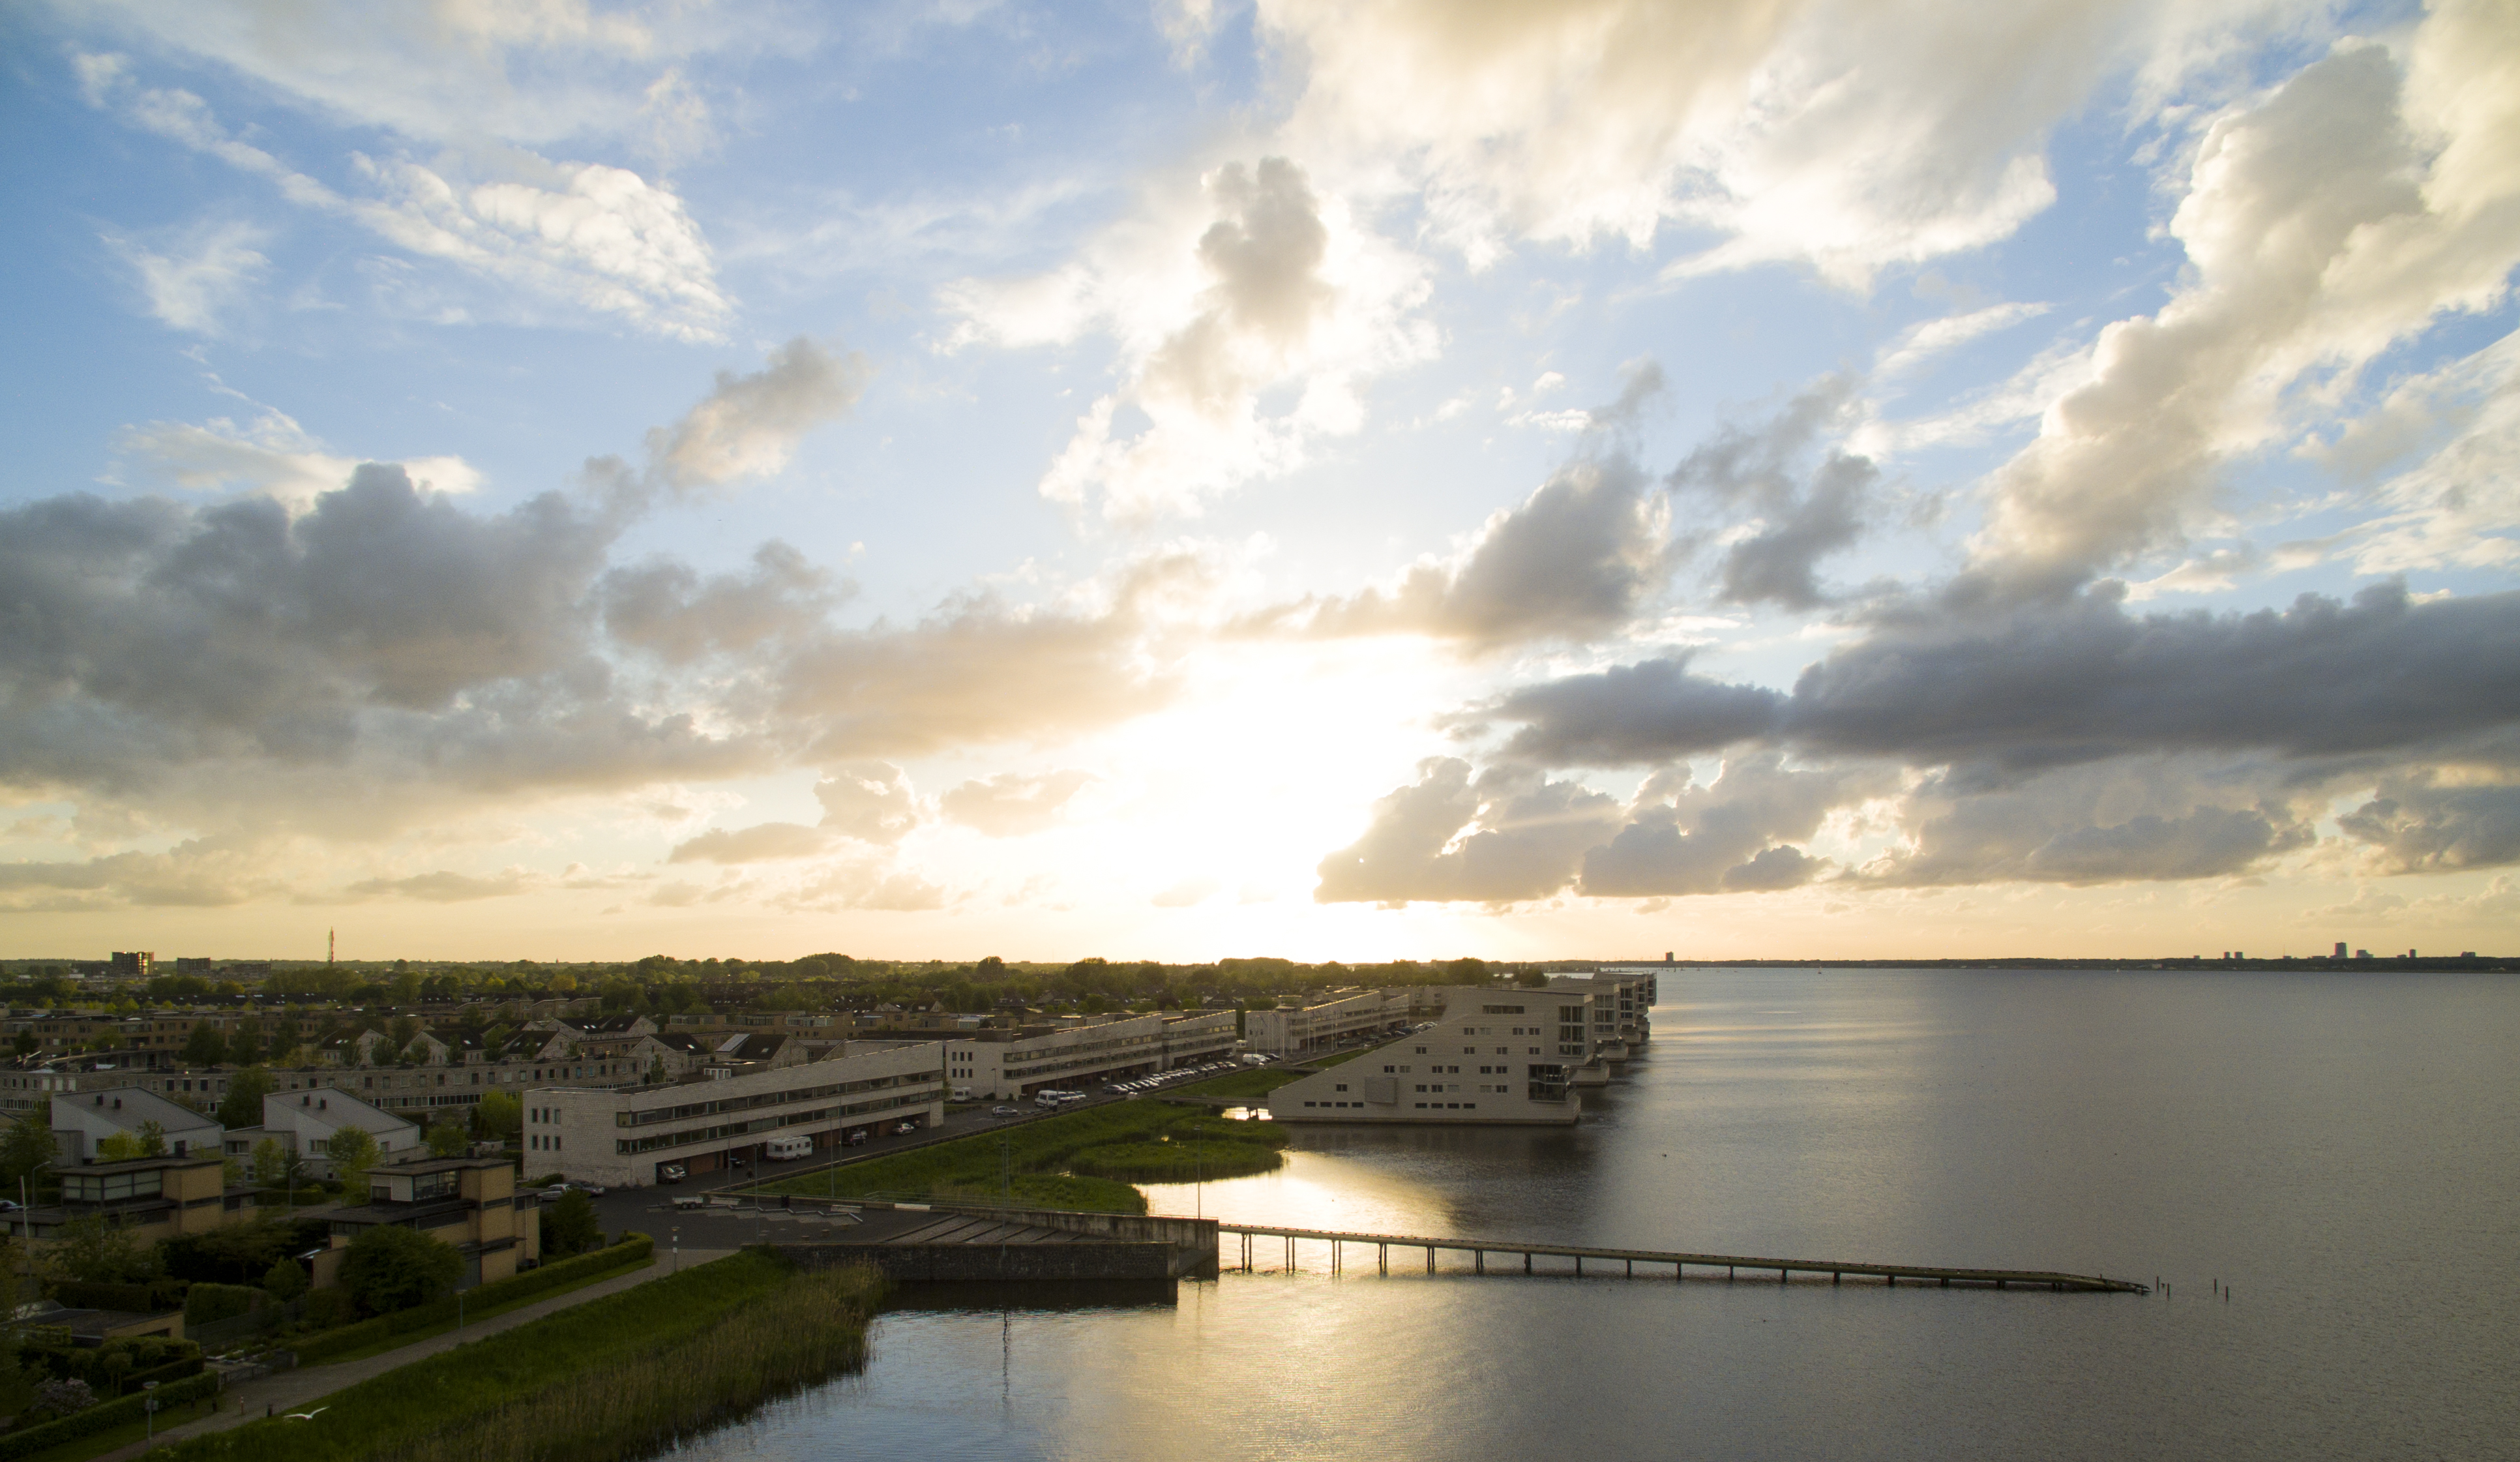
[305, 1122]
[469, 1202]
[83, 1121]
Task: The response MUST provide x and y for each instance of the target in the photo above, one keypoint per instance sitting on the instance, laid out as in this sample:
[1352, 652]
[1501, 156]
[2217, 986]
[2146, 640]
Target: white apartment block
[81, 1122]
[1622, 1001]
[305, 1122]
[1496, 1056]
[1009, 1064]
[621, 1136]
[1296, 1029]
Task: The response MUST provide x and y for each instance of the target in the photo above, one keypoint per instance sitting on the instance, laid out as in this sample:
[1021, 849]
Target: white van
[789, 1147]
[1056, 1098]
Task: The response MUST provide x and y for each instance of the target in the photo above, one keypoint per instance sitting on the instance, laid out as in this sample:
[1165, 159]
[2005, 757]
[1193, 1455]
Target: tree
[500, 1115]
[242, 1106]
[272, 1162]
[569, 1226]
[150, 1141]
[90, 1250]
[244, 1048]
[388, 1268]
[284, 1039]
[657, 1071]
[285, 1280]
[353, 1152]
[28, 1147]
[26, 1043]
[205, 1046]
[447, 1138]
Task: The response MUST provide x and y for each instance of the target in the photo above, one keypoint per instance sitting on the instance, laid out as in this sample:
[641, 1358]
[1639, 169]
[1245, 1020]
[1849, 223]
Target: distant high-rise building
[2340, 949]
[139, 962]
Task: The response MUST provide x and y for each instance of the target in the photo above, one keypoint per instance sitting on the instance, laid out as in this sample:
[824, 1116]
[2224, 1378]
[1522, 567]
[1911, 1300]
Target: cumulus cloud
[2351, 205]
[200, 872]
[1738, 834]
[867, 882]
[1011, 805]
[1507, 836]
[1268, 286]
[749, 427]
[1844, 135]
[668, 609]
[870, 801]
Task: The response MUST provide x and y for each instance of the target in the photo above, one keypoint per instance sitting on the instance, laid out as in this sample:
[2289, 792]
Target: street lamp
[149, 1404]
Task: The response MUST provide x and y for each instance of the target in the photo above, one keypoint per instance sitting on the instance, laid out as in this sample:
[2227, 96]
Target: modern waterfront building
[148, 1198]
[1007, 1064]
[1291, 1031]
[1495, 1055]
[624, 1136]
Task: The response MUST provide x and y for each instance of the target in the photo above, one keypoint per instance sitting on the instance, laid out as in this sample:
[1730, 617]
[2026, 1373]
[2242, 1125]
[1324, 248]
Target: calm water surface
[2341, 1151]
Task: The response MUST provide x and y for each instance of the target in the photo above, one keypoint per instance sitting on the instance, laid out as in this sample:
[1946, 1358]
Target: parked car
[591, 1190]
[672, 1172]
[856, 1138]
[905, 1129]
[556, 1192]
[1005, 1111]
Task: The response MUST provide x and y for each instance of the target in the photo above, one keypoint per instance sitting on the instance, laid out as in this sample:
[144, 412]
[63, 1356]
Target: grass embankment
[1076, 1161]
[1254, 1083]
[613, 1377]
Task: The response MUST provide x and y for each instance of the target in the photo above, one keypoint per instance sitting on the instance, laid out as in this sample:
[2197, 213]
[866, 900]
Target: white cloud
[585, 234]
[270, 455]
[749, 427]
[203, 277]
[1267, 285]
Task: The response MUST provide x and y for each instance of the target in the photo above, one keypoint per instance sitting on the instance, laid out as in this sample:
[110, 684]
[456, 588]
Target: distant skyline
[1347, 482]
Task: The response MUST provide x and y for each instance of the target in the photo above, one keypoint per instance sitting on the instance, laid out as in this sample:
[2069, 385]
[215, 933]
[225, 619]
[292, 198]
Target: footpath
[282, 1392]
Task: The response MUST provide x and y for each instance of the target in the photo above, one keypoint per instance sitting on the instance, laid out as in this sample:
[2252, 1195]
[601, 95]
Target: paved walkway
[283, 1391]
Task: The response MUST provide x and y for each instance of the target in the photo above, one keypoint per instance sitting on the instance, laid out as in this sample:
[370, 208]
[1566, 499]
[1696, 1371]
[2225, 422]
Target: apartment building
[1495, 1057]
[1334, 1020]
[305, 1122]
[470, 1204]
[150, 1197]
[84, 1122]
[1006, 1065]
[626, 1136]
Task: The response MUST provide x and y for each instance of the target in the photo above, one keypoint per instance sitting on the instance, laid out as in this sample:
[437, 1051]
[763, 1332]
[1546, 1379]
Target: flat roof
[437, 1164]
[143, 1164]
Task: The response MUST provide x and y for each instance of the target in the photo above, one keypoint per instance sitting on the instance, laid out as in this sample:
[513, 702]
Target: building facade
[305, 1122]
[1494, 1057]
[1291, 1031]
[1007, 1064]
[83, 1122]
[470, 1204]
[625, 1137]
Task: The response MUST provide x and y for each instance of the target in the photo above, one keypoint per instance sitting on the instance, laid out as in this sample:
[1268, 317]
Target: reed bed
[608, 1381]
[808, 1331]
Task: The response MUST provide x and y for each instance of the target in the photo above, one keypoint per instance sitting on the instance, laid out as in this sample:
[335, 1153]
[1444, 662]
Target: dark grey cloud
[1799, 504]
[2138, 820]
[1530, 834]
[2416, 825]
[2082, 680]
[668, 609]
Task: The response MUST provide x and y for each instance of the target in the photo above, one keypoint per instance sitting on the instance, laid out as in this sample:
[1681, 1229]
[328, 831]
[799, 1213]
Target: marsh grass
[608, 1381]
[1176, 1161]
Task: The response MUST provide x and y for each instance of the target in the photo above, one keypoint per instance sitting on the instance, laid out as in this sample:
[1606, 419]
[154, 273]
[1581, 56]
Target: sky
[1392, 479]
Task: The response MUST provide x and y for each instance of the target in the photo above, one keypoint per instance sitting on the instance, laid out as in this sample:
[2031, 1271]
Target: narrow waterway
[2325, 1167]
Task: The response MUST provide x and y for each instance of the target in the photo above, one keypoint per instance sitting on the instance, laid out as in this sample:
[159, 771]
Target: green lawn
[1254, 1083]
[474, 1317]
[1036, 1155]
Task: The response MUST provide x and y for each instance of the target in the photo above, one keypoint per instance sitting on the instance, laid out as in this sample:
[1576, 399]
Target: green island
[1083, 1160]
[624, 1375]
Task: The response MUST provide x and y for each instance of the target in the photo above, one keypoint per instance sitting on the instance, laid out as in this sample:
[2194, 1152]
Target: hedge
[173, 1370]
[78, 1295]
[633, 1249]
[104, 1417]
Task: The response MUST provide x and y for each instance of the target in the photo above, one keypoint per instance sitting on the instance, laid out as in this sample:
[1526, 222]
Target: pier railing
[1733, 1266]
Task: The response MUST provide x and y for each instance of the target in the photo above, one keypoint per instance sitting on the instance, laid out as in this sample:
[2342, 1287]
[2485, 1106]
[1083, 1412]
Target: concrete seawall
[993, 1263]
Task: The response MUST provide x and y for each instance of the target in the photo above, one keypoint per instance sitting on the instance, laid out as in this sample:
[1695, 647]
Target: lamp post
[149, 1404]
[677, 1240]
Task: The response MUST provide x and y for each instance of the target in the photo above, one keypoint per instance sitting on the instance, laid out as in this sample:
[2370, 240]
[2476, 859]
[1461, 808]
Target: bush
[569, 1226]
[207, 1303]
[285, 1280]
[634, 1249]
[105, 1418]
[328, 1309]
[390, 1268]
[78, 1295]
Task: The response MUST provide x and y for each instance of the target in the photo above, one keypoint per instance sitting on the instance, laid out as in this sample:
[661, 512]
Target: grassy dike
[613, 1379]
[1082, 1160]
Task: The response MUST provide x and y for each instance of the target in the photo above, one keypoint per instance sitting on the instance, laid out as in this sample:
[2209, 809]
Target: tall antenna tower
[327, 946]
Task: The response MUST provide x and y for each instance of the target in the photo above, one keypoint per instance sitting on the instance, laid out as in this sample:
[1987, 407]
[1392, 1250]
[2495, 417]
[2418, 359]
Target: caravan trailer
[789, 1147]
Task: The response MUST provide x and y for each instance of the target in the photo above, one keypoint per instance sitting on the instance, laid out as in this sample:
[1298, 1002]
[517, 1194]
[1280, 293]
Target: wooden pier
[1733, 1266]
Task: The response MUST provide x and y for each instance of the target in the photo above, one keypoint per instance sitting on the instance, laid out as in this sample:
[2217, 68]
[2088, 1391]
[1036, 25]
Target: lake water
[2342, 1151]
